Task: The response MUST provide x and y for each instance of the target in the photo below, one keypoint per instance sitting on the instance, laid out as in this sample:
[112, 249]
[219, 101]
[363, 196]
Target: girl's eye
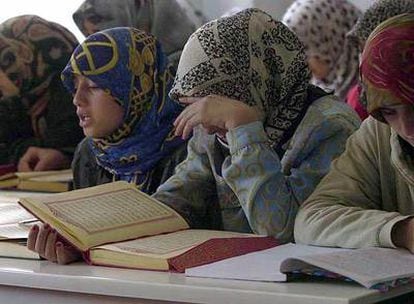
[92, 88]
[387, 112]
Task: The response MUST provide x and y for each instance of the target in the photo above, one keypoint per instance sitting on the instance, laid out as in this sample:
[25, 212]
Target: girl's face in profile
[99, 114]
[401, 119]
[7, 87]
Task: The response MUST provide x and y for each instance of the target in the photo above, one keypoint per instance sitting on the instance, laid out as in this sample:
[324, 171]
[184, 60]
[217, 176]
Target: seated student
[35, 109]
[120, 79]
[378, 12]
[169, 21]
[367, 199]
[263, 136]
[322, 26]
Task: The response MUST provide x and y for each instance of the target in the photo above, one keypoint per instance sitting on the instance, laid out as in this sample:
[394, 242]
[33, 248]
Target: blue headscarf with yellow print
[130, 65]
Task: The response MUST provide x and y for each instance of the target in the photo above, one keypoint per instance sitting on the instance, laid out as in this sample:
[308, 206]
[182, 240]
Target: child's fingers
[31, 239]
[66, 254]
[189, 126]
[188, 100]
[41, 239]
[50, 247]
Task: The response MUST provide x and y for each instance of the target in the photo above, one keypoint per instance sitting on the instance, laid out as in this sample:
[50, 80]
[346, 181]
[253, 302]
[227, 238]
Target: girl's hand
[217, 114]
[42, 159]
[47, 244]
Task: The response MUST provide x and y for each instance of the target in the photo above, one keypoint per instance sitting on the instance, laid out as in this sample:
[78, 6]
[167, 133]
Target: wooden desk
[35, 282]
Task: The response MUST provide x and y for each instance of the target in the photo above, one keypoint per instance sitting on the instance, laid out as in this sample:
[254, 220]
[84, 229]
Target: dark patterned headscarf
[165, 19]
[130, 66]
[33, 52]
[380, 11]
[322, 26]
[252, 58]
[387, 65]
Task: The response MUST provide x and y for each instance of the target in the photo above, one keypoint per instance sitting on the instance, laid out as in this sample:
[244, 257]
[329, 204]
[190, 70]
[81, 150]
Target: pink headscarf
[388, 63]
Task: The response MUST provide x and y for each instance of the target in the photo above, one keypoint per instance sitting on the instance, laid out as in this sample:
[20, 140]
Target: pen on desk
[28, 222]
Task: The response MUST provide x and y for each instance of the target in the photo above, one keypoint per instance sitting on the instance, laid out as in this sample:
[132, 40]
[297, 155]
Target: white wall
[61, 10]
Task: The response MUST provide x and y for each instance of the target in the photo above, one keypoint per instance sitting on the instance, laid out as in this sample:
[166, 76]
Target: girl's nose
[407, 121]
[78, 98]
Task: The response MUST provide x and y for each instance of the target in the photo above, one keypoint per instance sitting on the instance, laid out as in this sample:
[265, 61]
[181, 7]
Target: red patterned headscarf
[387, 66]
[33, 52]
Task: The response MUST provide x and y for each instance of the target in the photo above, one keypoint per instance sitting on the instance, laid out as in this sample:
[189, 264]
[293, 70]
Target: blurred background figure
[322, 26]
[169, 21]
[35, 109]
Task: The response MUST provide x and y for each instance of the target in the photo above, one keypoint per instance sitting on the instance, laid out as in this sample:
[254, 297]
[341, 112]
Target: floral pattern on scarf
[252, 58]
[33, 52]
[322, 26]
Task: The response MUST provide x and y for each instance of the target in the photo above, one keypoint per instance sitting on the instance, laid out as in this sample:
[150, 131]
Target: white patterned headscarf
[377, 13]
[252, 58]
[322, 26]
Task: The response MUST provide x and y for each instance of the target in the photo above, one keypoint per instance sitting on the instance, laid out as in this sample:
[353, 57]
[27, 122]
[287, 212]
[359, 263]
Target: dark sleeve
[62, 131]
[86, 171]
[15, 128]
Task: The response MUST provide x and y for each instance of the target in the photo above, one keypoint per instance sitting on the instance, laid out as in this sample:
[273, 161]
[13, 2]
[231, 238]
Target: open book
[15, 223]
[115, 224]
[371, 267]
[48, 181]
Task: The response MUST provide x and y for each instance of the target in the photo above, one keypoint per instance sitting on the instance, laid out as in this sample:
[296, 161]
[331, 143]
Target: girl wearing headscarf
[131, 67]
[35, 109]
[120, 78]
[322, 26]
[166, 20]
[379, 11]
[263, 136]
[367, 199]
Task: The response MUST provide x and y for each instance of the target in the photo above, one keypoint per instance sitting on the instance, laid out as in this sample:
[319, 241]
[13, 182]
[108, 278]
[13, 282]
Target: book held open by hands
[115, 224]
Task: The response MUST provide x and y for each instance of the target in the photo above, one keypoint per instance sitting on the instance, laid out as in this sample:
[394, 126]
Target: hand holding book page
[371, 267]
[115, 212]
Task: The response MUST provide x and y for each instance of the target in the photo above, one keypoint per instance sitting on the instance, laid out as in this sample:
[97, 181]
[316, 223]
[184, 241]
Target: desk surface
[40, 280]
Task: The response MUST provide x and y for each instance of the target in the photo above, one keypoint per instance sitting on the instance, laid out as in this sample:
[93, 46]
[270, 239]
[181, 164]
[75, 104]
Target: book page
[171, 244]
[13, 213]
[54, 176]
[257, 266]
[39, 174]
[367, 266]
[108, 211]
[104, 214]
[14, 231]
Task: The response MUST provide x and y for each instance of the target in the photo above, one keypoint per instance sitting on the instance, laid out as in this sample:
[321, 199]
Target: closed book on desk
[45, 181]
[115, 224]
[373, 267]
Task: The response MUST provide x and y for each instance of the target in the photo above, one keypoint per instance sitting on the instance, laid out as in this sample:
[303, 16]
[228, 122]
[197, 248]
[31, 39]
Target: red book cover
[7, 168]
[219, 249]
